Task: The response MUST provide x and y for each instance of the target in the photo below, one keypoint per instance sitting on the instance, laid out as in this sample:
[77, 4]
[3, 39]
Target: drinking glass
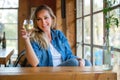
[28, 25]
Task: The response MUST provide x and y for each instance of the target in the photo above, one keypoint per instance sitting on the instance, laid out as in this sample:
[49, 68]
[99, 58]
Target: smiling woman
[47, 46]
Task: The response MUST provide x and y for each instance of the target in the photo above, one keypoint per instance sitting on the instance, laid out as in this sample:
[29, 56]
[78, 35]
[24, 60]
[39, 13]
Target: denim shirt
[60, 43]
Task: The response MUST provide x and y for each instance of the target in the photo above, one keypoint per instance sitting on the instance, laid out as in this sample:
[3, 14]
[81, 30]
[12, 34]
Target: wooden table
[5, 55]
[56, 73]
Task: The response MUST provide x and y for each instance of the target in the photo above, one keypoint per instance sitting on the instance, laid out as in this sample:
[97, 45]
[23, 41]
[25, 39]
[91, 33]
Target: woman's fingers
[24, 33]
[82, 62]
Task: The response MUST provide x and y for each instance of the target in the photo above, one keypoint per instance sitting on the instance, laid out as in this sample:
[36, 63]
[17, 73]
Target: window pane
[98, 56]
[79, 8]
[87, 53]
[87, 30]
[8, 15]
[114, 31]
[117, 2]
[116, 57]
[8, 3]
[12, 44]
[97, 5]
[79, 30]
[98, 29]
[79, 51]
[1, 27]
[11, 31]
[86, 7]
[79, 37]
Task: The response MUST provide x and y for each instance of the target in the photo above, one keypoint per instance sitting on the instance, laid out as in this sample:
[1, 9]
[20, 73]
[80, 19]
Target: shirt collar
[53, 34]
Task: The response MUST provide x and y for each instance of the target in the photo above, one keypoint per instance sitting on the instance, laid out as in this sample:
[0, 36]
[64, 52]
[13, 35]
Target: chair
[18, 62]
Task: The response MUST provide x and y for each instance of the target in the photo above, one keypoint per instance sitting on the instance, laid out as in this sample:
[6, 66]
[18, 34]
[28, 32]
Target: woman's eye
[46, 17]
[38, 19]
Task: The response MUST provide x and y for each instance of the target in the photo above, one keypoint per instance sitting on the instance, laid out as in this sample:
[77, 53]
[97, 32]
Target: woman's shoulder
[57, 32]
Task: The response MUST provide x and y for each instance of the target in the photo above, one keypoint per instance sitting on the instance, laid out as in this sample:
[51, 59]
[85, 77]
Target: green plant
[110, 19]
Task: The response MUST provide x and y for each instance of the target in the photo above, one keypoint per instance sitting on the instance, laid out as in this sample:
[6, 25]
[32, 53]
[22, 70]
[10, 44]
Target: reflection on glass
[79, 8]
[87, 30]
[98, 56]
[87, 53]
[98, 29]
[114, 31]
[86, 7]
[97, 5]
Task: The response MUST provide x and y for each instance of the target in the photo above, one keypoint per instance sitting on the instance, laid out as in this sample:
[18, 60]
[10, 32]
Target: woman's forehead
[42, 13]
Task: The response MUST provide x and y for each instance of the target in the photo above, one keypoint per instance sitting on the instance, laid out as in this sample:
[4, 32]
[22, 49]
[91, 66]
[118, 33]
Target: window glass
[9, 4]
[97, 5]
[87, 53]
[8, 15]
[98, 56]
[116, 57]
[12, 44]
[114, 31]
[79, 50]
[79, 8]
[116, 2]
[86, 7]
[87, 30]
[98, 29]
[79, 37]
[79, 30]
[9, 22]
[11, 31]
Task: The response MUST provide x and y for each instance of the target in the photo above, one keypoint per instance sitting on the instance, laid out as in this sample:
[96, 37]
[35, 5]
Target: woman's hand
[81, 62]
[25, 35]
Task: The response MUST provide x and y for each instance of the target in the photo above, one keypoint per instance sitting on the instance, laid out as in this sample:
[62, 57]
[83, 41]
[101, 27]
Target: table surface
[56, 73]
[5, 55]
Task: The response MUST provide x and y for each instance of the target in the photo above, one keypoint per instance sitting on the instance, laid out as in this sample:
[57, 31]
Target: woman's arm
[30, 54]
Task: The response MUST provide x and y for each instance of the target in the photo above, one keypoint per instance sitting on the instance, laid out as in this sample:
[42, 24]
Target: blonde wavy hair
[38, 35]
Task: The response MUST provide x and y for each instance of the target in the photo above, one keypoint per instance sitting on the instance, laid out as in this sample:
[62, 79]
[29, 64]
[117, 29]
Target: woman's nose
[43, 22]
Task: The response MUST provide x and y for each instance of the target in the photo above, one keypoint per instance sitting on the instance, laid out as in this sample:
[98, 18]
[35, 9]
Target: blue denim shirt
[60, 43]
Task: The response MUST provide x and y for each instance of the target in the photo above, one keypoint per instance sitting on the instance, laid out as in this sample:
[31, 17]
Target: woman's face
[44, 20]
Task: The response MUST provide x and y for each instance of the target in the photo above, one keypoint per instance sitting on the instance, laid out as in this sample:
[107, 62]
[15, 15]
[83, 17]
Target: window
[90, 30]
[9, 22]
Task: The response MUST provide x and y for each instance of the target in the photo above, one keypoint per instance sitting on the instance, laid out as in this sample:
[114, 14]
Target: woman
[46, 46]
